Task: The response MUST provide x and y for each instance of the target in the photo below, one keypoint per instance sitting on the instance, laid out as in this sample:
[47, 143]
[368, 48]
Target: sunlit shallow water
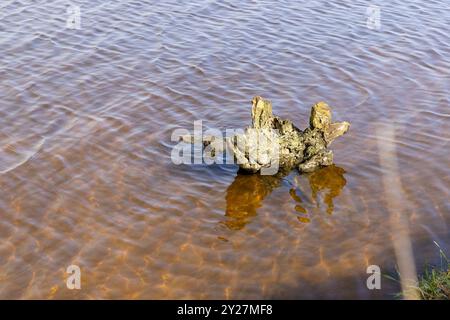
[86, 118]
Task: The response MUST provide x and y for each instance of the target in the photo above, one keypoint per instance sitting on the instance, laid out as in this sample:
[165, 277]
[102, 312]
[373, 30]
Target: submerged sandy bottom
[86, 176]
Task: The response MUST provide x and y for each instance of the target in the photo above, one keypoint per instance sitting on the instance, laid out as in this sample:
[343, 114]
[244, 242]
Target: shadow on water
[246, 194]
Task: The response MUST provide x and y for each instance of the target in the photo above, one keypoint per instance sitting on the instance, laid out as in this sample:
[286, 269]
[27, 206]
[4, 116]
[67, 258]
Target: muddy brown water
[86, 117]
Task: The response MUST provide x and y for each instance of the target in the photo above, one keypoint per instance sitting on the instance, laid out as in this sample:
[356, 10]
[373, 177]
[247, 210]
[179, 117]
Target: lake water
[86, 177]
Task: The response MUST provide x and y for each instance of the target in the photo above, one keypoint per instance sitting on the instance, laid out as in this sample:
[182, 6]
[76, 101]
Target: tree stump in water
[287, 145]
[272, 142]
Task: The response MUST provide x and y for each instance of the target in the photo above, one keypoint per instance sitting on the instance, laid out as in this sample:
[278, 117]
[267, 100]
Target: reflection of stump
[245, 196]
[247, 192]
[330, 179]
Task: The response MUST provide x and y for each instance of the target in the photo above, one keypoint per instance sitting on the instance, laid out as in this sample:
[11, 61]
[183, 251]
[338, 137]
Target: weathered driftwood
[278, 140]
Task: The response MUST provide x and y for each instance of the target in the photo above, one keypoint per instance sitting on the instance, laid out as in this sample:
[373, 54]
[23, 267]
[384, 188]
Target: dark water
[86, 176]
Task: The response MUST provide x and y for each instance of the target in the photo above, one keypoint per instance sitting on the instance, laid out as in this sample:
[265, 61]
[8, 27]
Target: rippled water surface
[86, 118]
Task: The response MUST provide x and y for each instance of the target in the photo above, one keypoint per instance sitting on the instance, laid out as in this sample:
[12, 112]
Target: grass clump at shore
[434, 284]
